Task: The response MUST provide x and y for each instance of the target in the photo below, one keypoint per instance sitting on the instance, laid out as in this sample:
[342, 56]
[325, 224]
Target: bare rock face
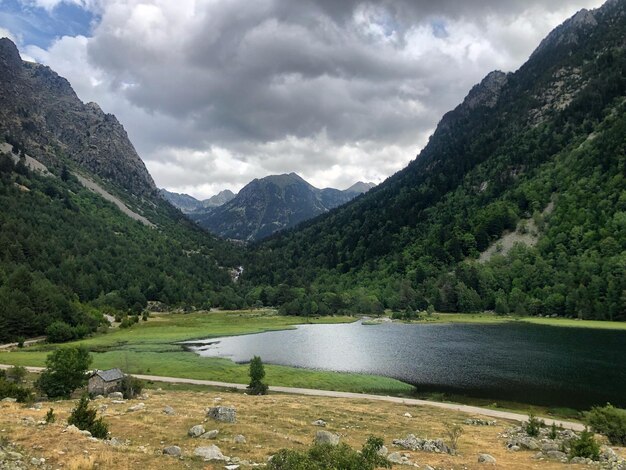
[570, 32]
[40, 109]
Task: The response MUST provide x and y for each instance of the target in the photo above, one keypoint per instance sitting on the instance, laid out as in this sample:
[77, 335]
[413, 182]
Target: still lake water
[514, 361]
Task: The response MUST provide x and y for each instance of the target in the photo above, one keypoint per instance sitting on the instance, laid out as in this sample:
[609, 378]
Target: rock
[36, 406]
[10, 455]
[209, 453]
[239, 439]
[118, 402]
[383, 451]
[479, 422]
[9, 400]
[72, 428]
[556, 455]
[325, 437]
[196, 431]
[99, 397]
[85, 433]
[210, 434]
[173, 451]
[222, 413]
[549, 446]
[168, 410]
[115, 442]
[514, 448]
[538, 456]
[486, 458]
[319, 422]
[396, 457]
[415, 443]
[137, 407]
[116, 395]
[231, 467]
[578, 460]
[408, 415]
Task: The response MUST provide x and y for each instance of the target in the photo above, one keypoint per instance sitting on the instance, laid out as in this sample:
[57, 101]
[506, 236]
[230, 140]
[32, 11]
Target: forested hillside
[542, 150]
[67, 254]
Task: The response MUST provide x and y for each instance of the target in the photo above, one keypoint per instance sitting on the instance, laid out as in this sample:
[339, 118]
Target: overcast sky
[214, 93]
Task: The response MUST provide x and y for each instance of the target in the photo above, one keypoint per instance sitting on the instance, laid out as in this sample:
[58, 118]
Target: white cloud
[216, 92]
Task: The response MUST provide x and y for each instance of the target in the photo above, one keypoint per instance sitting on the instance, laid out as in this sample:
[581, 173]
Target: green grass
[150, 348]
[490, 318]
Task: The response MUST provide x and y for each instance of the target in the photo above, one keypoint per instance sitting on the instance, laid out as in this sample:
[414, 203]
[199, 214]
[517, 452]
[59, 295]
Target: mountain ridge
[275, 202]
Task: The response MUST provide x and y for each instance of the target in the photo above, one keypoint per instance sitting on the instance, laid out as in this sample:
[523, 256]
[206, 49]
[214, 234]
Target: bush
[533, 425]
[257, 373]
[20, 341]
[16, 374]
[454, 433]
[13, 390]
[66, 370]
[50, 416]
[609, 421]
[585, 446]
[323, 457]
[59, 332]
[84, 418]
[131, 387]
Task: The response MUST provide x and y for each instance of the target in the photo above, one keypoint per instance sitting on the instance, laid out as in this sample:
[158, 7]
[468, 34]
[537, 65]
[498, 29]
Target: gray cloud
[216, 92]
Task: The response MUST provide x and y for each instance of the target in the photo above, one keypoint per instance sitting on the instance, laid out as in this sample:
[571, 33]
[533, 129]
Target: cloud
[216, 92]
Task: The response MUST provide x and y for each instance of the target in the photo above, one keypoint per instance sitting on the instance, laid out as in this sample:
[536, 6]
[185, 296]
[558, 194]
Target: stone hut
[103, 382]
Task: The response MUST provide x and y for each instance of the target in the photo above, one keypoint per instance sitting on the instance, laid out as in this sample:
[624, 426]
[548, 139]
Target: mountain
[219, 199]
[40, 111]
[184, 202]
[516, 204]
[270, 204]
[188, 204]
[82, 229]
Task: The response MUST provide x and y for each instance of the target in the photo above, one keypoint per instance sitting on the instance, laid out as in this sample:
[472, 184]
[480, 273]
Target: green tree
[66, 370]
[257, 373]
[84, 418]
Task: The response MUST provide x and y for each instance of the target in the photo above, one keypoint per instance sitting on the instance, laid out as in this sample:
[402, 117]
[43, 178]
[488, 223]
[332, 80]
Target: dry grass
[269, 424]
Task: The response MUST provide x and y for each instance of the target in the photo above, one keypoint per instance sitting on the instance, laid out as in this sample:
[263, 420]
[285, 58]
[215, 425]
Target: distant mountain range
[264, 206]
[188, 204]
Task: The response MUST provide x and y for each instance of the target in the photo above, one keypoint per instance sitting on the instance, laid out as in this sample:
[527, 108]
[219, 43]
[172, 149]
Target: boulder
[9, 400]
[173, 451]
[383, 451]
[556, 455]
[486, 458]
[209, 453]
[325, 437]
[116, 395]
[196, 431]
[223, 414]
[210, 434]
[396, 457]
[320, 422]
[137, 407]
[427, 445]
[239, 439]
[168, 410]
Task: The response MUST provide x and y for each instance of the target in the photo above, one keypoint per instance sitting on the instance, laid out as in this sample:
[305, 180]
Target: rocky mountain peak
[487, 92]
[570, 32]
[10, 60]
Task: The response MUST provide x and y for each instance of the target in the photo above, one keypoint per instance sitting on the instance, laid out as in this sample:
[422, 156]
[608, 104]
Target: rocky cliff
[41, 112]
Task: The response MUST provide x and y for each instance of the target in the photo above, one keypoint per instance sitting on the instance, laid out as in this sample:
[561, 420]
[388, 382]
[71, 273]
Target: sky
[215, 93]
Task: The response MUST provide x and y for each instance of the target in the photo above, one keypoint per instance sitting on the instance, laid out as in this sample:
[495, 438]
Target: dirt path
[473, 410]
[26, 343]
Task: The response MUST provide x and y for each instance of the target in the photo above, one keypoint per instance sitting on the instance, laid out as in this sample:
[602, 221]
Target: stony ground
[267, 424]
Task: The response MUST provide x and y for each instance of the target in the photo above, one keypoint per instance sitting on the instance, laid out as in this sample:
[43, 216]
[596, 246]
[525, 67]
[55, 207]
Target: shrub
[50, 416]
[609, 421]
[59, 332]
[257, 373]
[20, 341]
[84, 418]
[323, 457]
[13, 390]
[585, 446]
[553, 432]
[533, 425]
[66, 370]
[16, 374]
[454, 433]
[131, 387]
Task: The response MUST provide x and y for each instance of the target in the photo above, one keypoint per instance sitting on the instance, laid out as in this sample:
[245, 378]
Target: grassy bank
[150, 348]
[490, 318]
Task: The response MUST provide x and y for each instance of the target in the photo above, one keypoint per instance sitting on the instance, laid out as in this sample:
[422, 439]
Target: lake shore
[491, 318]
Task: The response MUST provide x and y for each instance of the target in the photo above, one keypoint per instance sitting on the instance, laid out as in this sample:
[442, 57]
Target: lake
[543, 365]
